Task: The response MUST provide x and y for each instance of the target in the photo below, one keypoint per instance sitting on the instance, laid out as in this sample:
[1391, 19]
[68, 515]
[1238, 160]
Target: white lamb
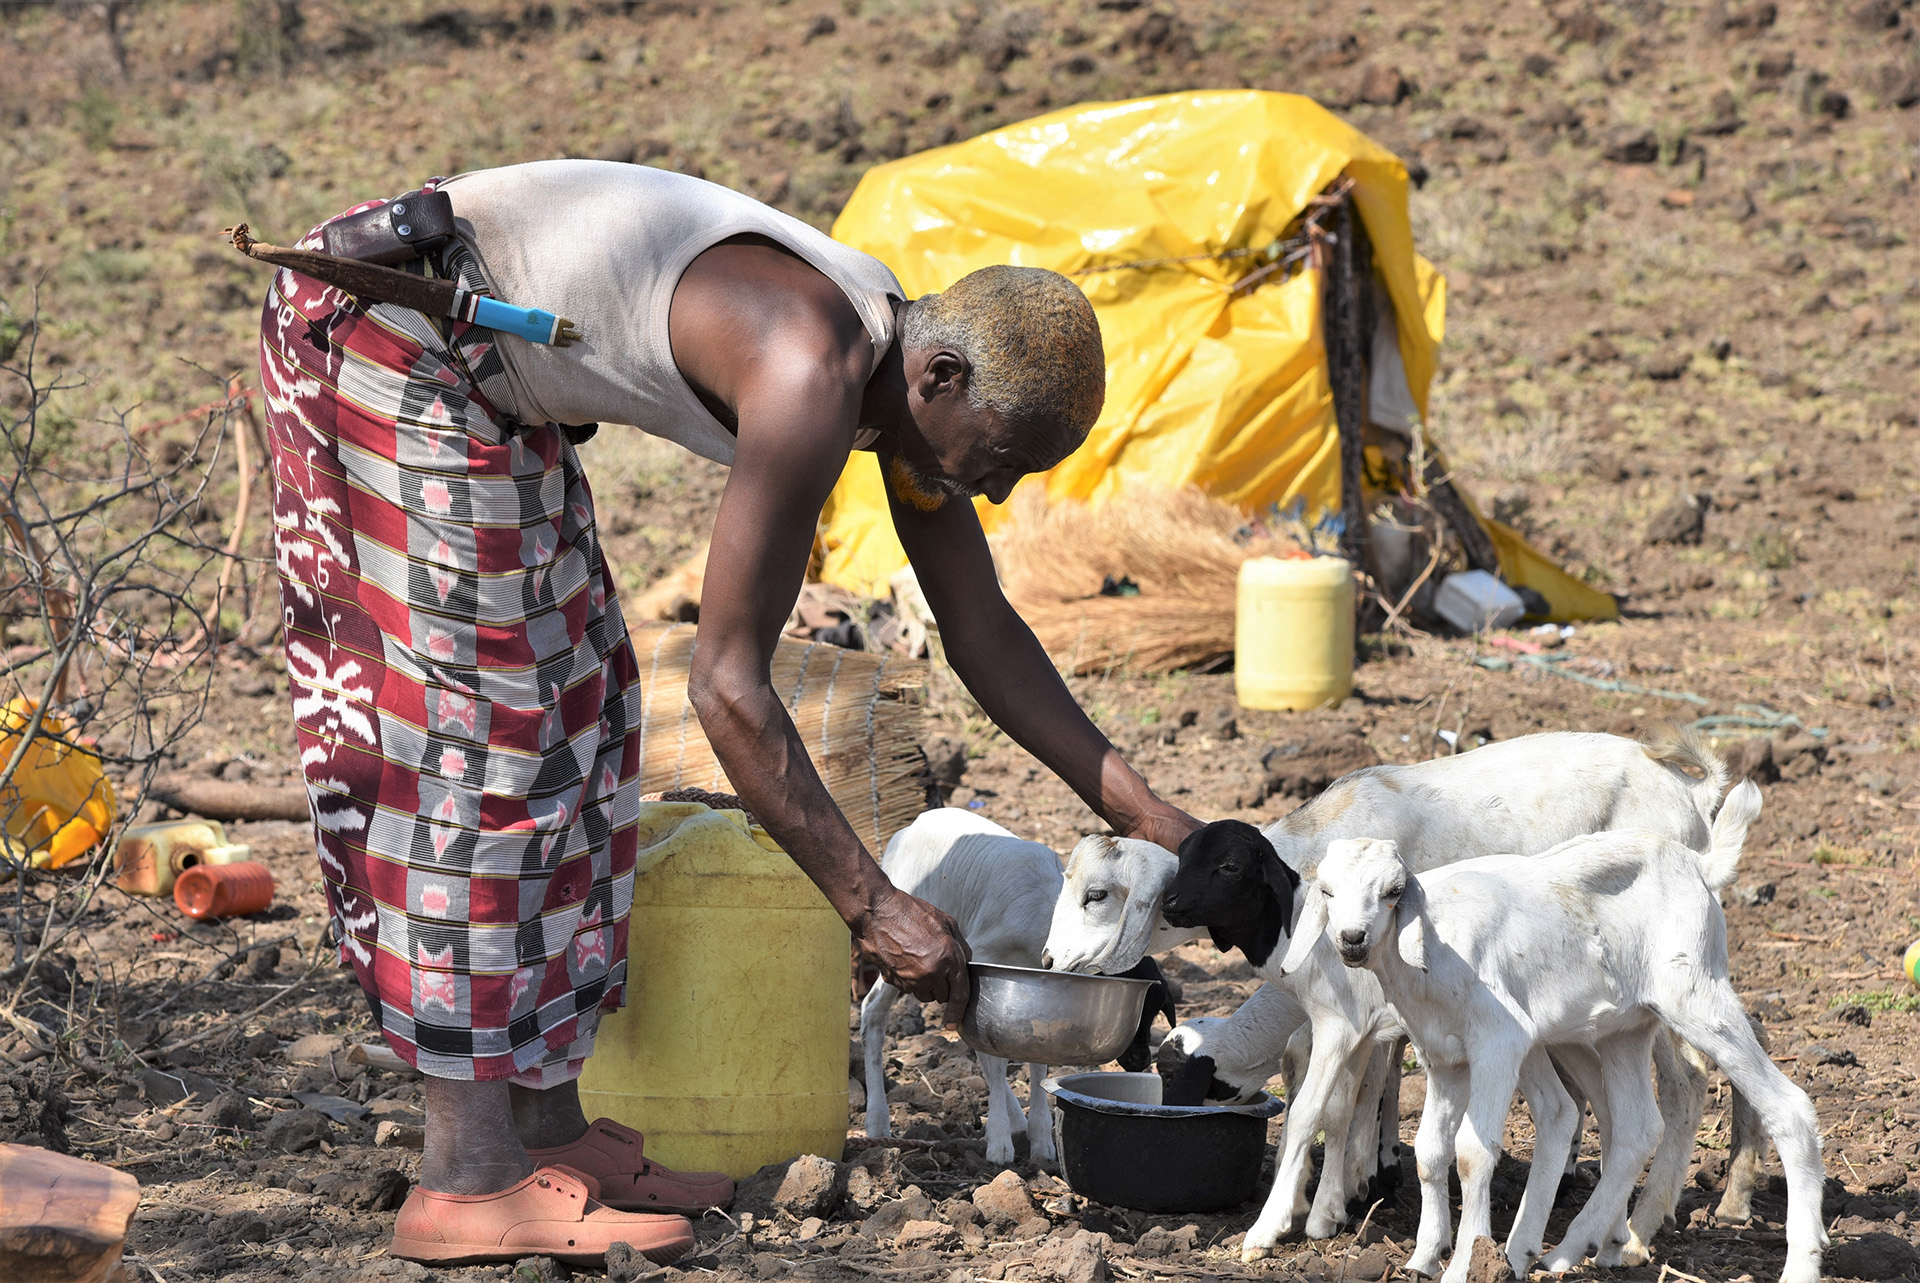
[1585, 951]
[1000, 889]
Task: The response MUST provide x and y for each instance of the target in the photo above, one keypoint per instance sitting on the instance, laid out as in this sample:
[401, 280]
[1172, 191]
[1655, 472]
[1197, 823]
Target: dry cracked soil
[1680, 239]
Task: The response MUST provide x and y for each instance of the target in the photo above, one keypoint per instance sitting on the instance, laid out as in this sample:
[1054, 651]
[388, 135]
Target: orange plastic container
[223, 890]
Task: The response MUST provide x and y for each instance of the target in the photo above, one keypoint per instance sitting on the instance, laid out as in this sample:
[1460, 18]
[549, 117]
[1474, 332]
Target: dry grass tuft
[1180, 547]
[1541, 444]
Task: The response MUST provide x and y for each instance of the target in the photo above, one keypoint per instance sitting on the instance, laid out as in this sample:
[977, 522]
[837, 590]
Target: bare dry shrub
[105, 586]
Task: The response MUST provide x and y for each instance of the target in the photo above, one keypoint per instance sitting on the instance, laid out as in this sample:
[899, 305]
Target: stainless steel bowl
[1051, 1017]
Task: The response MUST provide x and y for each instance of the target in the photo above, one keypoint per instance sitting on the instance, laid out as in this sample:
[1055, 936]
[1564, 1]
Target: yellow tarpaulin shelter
[1207, 385]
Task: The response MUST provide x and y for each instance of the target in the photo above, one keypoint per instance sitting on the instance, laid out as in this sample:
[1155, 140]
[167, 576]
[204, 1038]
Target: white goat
[1107, 917]
[1522, 795]
[1000, 889]
[1585, 951]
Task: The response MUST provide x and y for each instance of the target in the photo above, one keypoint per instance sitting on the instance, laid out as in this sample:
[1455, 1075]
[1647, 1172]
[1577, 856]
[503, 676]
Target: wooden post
[62, 1220]
[1345, 302]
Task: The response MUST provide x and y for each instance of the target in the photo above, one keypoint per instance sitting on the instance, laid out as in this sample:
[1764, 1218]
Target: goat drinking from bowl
[1000, 889]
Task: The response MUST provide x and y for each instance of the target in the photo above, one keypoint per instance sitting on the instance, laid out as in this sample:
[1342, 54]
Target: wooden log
[377, 1056]
[62, 1220]
[229, 800]
[1474, 540]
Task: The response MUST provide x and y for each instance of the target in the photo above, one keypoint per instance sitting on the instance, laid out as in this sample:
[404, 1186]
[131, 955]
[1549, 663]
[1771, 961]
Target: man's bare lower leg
[472, 1146]
[547, 1118]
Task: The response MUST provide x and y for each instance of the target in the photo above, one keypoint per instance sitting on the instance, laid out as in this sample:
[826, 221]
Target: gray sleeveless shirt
[604, 244]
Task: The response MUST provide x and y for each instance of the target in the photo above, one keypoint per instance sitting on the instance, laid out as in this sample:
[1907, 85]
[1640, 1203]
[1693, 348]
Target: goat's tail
[1682, 746]
[1721, 860]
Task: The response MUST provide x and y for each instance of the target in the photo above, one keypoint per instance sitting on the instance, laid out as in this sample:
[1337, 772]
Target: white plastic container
[1476, 601]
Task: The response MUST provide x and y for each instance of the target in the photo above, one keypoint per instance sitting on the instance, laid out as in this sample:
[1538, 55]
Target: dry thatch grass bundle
[1182, 549]
[858, 714]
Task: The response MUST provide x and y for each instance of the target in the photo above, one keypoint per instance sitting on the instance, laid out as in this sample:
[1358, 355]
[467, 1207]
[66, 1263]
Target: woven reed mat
[858, 714]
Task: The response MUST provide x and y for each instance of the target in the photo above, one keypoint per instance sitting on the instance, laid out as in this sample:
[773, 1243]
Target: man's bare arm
[1008, 671]
[790, 455]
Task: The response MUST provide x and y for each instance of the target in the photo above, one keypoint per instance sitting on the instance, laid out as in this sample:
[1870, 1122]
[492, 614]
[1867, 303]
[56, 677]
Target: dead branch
[226, 800]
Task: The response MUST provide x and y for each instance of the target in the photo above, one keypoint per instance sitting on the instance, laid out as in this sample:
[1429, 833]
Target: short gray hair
[1032, 340]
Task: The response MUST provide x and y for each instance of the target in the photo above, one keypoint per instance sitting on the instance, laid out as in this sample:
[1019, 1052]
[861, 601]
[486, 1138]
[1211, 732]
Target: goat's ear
[1153, 874]
[1307, 931]
[1414, 925]
[1280, 879]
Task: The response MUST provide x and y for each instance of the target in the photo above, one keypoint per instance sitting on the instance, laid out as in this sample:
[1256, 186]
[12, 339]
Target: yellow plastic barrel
[731, 1052]
[1293, 633]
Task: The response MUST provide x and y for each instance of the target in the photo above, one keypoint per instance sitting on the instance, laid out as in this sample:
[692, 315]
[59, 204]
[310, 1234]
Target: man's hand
[918, 948]
[1166, 828]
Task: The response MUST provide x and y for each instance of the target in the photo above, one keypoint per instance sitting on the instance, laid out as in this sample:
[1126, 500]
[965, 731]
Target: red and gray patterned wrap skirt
[463, 687]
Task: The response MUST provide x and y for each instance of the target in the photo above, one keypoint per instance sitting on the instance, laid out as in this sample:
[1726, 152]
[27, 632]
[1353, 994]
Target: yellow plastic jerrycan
[731, 1052]
[1293, 632]
[58, 804]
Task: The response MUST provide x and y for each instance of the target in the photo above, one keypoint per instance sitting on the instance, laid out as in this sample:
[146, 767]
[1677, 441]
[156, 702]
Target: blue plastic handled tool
[534, 324]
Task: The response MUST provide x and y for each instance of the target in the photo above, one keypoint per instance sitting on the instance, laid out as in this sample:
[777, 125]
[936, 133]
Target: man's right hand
[917, 948]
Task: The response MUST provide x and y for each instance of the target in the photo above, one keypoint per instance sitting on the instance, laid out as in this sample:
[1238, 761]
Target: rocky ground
[1680, 242]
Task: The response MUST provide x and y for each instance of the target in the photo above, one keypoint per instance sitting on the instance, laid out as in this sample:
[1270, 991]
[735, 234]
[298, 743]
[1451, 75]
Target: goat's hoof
[1800, 1271]
[1425, 1264]
[1634, 1251]
[1323, 1229]
[1734, 1211]
[1251, 1252]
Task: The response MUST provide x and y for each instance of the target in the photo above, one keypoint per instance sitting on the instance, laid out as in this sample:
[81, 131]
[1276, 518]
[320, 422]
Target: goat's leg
[1496, 1071]
[1747, 1154]
[1433, 1158]
[1629, 1135]
[1287, 1202]
[1040, 1119]
[1296, 1058]
[1330, 1201]
[1580, 1075]
[1362, 1155]
[1578, 1093]
[873, 1045]
[1711, 1019]
[1555, 1117]
[1387, 1160]
[1682, 1081]
[1003, 1110]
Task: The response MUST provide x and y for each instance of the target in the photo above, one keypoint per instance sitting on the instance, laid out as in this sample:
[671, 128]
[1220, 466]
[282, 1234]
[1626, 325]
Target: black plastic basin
[1118, 1144]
